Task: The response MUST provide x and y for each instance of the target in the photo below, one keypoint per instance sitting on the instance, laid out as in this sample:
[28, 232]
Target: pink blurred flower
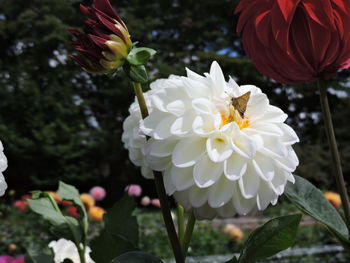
[98, 193]
[21, 205]
[9, 259]
[133, 190]
[155, 202]
[145, 201]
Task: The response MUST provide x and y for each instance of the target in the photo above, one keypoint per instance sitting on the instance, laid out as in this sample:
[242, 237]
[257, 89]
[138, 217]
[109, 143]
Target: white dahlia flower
[3, 166]
[220, 154]
[65, 249]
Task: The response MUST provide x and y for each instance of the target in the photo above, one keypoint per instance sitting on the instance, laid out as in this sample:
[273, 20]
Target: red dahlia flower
[296, 41]
[105, 43]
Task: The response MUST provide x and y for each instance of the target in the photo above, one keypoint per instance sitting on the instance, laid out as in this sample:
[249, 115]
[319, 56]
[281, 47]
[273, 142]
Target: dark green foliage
[120, 233]
[136, 257]
[274, 236]
[311, 201]
[58, 122]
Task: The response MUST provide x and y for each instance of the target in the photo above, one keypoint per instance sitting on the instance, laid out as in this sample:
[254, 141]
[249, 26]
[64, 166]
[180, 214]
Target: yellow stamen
[236, 117]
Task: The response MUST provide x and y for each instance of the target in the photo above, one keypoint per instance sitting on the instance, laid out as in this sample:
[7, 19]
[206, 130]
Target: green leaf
[35, 254]
[136, 73]
[274, 236]
[140, 56]
[136, 257]
[62, 226]
[70, 193]
[307, 198]
[120, 233]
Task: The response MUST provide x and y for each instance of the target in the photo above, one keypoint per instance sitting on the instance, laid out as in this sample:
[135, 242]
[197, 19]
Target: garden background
[59, 123]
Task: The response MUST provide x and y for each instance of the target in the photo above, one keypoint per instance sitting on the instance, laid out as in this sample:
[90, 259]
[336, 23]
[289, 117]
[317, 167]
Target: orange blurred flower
[96, 213]
[234, 232]
[21, 205]
[333, 198]
[12, 247]
[87, 200]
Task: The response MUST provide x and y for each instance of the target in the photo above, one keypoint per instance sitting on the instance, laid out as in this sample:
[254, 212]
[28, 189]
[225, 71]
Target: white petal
[182, 178]
[176, 107]
[288, 163]
[289, 136]
[219, 83]
[160, 148]
[226, 211]
[204, 125]
[183, 125]
[206, 172]
[249, 183]
[218, 148]
[151, 122]
[274, 114]
[203, 106]
[235, 167]
[182, 198]
[270, 129]
[221, 192]
[196, 89]
[274, 147]
[265, 196]
[279, 182]
[168, 184]
[193, 75]
[3, 185]
[205, 212]
[243, 144]
[264, 166]
[3, 162]
[157, 163]
[162, 130]
[243, 206]
[147, 172]
[188, 151]
[198, 196]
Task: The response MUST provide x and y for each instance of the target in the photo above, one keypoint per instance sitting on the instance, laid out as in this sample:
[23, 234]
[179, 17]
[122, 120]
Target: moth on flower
[105, 43]
[222, 148]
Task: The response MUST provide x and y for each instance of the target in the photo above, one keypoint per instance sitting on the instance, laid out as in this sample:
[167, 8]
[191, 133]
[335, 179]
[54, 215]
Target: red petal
[322, 15]
[288, 8]
[263, 27]
[106, 7]
[109, 25]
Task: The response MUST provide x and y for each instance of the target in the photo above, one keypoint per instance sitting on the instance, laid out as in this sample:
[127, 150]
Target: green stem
[327, 117]
[181, 222]
[188, 233]
[81, 254]
[158, 179]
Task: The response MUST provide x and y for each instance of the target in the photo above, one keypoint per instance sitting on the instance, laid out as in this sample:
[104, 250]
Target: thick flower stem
[327, 117]
[180, 222]
[81, 254]
[188, 233]
[158, 179]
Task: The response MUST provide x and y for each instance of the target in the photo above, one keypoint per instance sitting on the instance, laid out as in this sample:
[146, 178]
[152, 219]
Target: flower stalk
[188, 233]
[327, 117]
[180, 222]
[158, 178]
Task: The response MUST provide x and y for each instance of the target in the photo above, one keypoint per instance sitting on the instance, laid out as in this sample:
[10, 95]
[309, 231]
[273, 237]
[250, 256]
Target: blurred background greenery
[59, 123]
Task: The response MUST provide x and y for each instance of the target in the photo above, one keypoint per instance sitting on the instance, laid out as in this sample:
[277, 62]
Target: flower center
[234, 116]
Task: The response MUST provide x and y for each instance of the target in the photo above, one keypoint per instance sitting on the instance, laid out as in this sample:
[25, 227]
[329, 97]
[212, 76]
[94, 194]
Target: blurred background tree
[59, 123]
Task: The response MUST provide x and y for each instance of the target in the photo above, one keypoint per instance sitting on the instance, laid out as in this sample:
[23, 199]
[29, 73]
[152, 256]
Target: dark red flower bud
[296, 41]
[105, 42]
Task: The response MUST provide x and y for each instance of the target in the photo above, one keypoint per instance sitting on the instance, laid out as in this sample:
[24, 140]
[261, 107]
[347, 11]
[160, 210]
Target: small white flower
[214, 160]
[65, 249]
[3, 166]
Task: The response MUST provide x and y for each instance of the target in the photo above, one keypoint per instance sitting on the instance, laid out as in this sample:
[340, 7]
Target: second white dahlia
[3, 166]
[220, 155]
